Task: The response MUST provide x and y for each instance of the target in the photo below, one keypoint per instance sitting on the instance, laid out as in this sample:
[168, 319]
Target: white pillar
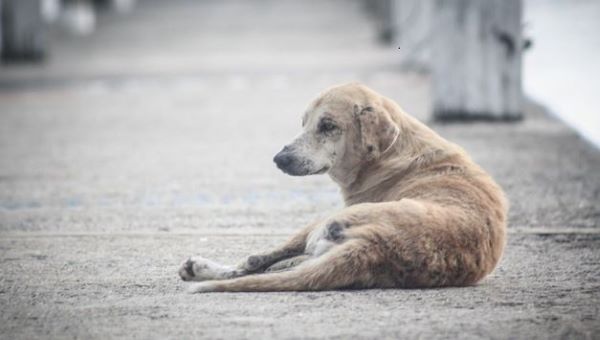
[476, 59]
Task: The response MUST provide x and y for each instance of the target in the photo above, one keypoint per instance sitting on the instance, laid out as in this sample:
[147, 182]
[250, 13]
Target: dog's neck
[418, 147]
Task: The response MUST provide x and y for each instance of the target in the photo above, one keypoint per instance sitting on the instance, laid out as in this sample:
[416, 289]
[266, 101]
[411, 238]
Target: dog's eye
[327, 126]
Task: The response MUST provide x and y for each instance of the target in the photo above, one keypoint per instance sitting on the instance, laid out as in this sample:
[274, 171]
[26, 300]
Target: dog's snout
[283, 159]
[292, 162]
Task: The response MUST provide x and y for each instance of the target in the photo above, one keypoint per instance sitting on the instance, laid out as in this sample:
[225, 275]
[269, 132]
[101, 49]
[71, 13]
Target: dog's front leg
[197, 268]
[293, 247]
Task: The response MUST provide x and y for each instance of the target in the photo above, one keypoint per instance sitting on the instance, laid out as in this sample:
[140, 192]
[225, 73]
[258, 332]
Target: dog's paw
[197, 268]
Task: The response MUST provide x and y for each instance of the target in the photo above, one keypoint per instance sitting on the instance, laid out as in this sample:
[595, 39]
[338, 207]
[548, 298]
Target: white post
[414, 20]
[476, 59]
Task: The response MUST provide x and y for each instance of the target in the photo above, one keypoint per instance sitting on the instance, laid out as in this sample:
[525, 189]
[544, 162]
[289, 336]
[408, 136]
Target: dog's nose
[283, 159]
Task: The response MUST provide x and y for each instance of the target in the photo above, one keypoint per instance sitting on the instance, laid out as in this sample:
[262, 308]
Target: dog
[419, 212]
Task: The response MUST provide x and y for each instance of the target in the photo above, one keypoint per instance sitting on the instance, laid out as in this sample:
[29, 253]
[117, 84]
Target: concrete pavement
[105, 286]
[152, 141]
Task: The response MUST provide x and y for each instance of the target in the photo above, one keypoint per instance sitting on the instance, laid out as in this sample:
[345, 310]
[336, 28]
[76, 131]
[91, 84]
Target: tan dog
[419, 212]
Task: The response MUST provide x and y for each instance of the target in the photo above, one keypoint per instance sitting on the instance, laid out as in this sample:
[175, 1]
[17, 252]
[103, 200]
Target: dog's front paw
[197, 268]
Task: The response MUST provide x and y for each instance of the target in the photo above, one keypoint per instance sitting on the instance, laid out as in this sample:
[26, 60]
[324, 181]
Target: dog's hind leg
[348, 265]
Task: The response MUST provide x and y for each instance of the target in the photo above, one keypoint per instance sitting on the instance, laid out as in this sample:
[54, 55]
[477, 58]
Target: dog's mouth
[299, 171]
[321, 171]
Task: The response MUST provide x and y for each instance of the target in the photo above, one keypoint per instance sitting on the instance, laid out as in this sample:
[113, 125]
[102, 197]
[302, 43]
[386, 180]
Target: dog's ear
[377, 131]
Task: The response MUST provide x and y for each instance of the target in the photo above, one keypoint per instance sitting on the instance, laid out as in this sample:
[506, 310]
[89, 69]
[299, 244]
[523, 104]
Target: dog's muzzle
[290, 164]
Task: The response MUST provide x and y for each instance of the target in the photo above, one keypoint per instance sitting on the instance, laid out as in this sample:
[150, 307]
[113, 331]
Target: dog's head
[343, 128]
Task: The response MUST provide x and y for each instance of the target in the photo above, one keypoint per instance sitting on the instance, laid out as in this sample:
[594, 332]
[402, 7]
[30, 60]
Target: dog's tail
[348, 265]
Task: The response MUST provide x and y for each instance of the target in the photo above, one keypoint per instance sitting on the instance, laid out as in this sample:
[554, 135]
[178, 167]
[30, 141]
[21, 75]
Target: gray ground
[152, 140]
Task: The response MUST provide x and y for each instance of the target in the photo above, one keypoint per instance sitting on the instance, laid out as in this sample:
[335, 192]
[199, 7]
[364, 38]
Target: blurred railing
[24, 23]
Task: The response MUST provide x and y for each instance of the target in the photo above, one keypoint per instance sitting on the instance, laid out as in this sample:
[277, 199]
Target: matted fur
[419, 212]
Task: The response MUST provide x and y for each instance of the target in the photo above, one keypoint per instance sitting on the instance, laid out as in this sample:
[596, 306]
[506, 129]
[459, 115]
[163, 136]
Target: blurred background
[127, 126]
[181, 104]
